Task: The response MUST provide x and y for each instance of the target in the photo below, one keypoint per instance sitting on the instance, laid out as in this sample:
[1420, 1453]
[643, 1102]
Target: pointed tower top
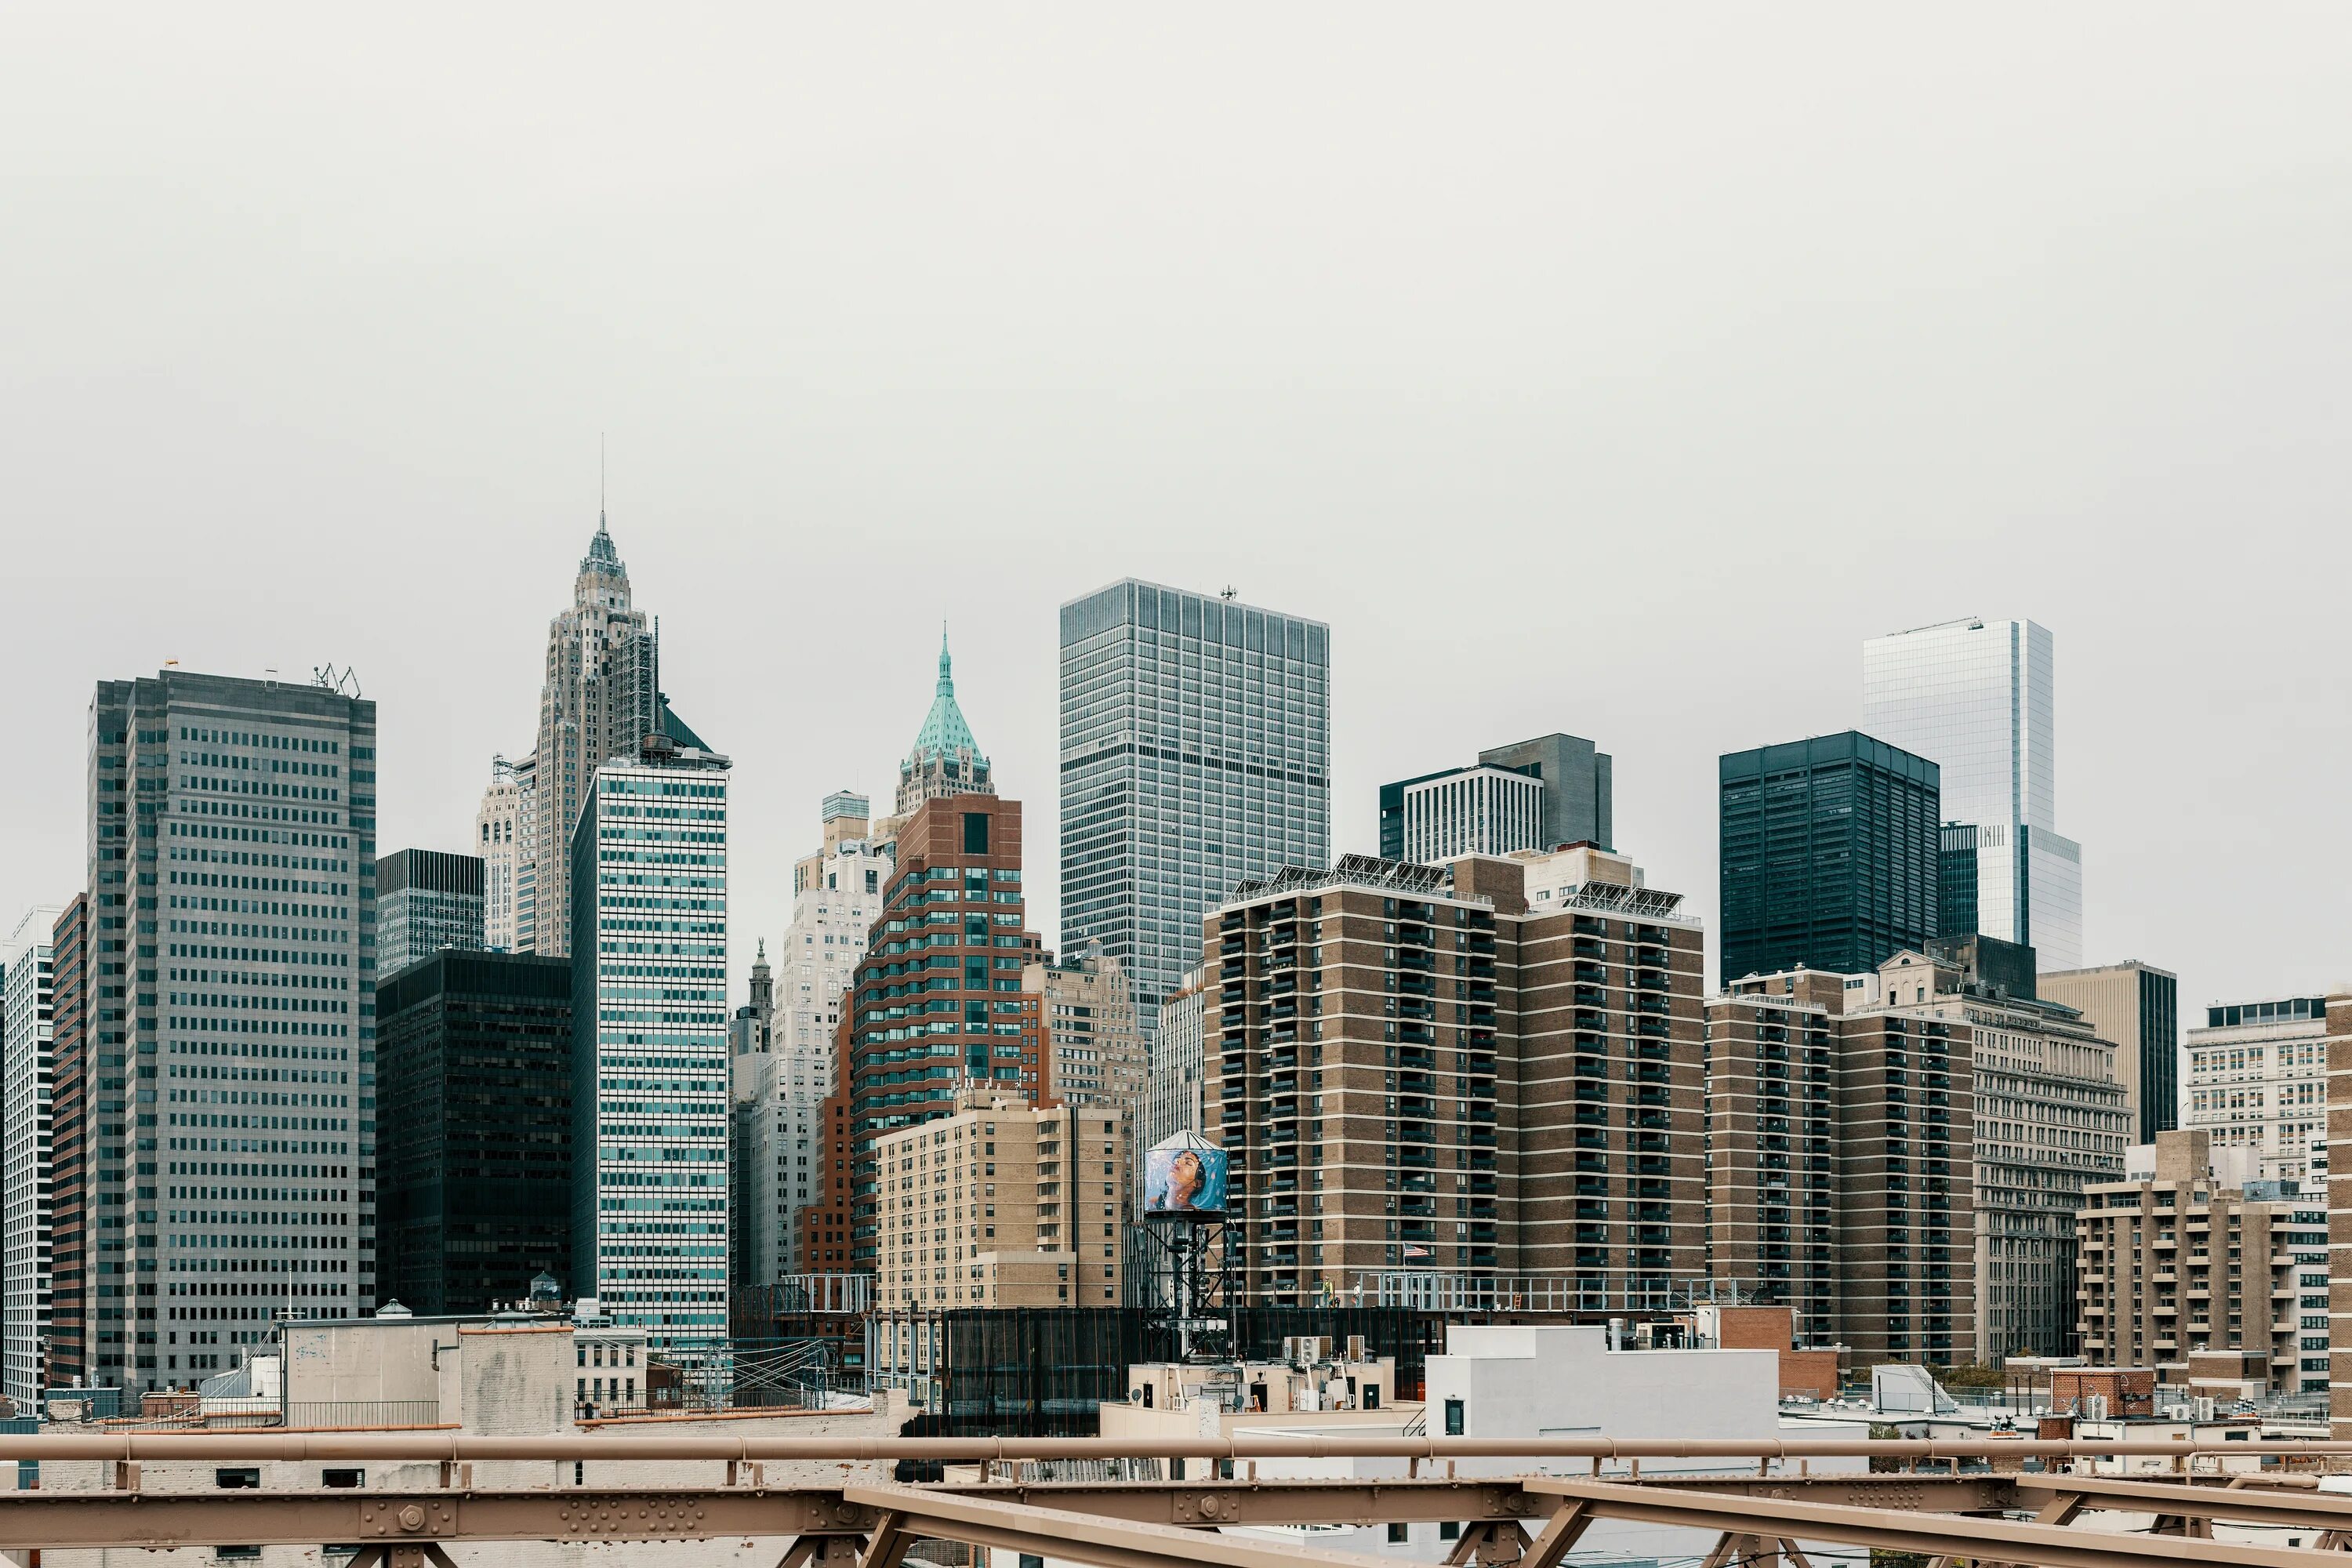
[944, 732]
[762, 957]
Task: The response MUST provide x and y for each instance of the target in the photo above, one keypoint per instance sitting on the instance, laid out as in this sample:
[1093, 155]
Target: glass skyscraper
[425, 899]
[1830, 854]
[1977, 698]
[1196, 743]
[649, 1107]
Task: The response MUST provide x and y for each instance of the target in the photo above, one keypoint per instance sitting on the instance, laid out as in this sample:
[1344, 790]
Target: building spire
[947, 666]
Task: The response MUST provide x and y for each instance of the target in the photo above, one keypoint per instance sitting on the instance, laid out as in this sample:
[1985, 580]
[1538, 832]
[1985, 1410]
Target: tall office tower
[1094, 1048]
[503, 848]
[1003, 1204]
[425, 900]
[602, 697]
[1195, 755]
[1542, 793]
[1978, 699]
[70, 1222]
[836, 897]
[1841, 1180]
[905, 1047]
[2138, 1006]
[1172, 1072]
[2189, 1223]
[2257, 1080]
[27, 1061]
[649, 1084]
[231, 966]
[1829, 854]
[946, 760]
[1502, 1076]
[2050, 1121]
[474, 1161]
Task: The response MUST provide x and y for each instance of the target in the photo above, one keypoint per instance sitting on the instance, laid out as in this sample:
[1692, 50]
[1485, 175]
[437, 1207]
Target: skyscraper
[1542, 793]
[2136, 1007]
[1977, 698]
[26, 1061]
[945, 760]
[72, 1228]
[503, 845]
[601, 696]
[650, 1091]
[1195, 755]
[837, 895]
[425, 900]
[901, 1055]
[232, 853]
[1499, 1072]
[1830, 854]
[474, 1167]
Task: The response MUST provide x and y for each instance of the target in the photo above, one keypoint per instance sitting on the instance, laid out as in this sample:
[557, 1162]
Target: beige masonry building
[2193, 1266]
[1003, 1205]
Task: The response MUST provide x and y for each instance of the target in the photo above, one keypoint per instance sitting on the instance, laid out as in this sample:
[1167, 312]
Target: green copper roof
[676, 728]
[944, 732]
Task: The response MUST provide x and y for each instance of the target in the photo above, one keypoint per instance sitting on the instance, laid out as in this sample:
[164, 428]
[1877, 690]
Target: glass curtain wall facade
[649, 1091]
[232, 894]
[1830, 855]
[474, 1076]
[1195, 755]
[425, 900]
[1979, 698]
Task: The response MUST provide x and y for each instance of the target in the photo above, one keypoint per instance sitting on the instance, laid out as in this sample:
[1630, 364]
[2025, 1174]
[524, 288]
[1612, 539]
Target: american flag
[1417, 1252]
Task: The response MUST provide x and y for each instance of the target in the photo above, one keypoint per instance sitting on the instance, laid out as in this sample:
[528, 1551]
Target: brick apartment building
[2215, 1280]
[936, 1007]
[1484, 1071]
[1840, 1176]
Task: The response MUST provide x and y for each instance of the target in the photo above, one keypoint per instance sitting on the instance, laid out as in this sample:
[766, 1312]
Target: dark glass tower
[474, 1161]
[1830, 855]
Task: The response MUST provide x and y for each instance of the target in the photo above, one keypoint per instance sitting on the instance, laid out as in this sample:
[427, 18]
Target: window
[1396, 1535]
[242, 1480]
[342, 1478]
[1454, 1419]
[975, 833]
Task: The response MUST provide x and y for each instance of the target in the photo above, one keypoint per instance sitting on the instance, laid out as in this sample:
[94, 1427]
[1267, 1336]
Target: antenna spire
[600, 480]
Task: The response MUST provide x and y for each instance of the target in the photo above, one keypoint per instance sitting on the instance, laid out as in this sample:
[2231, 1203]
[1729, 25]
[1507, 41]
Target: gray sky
[1611, 369]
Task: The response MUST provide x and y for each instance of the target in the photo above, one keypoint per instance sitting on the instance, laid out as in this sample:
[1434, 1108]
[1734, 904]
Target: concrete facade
[2255, 1077]
[27, 1175]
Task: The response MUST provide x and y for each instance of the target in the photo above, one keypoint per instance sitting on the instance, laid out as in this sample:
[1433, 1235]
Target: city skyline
[764, 893]
[1607, 393]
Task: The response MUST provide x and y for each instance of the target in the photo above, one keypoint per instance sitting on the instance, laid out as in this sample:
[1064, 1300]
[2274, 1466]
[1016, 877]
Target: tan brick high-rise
[1489, 1071]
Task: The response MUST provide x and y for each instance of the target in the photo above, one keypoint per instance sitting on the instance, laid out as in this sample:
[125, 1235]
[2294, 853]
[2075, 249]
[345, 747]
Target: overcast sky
[1611, 369]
